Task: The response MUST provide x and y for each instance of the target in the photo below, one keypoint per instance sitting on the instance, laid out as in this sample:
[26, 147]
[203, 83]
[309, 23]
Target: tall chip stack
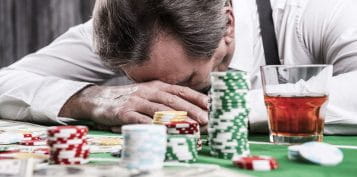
[68, 145]
[144, 146]
[228, 115]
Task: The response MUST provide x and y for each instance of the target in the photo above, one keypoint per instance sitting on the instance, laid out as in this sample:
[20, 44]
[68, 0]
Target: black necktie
[268, 32]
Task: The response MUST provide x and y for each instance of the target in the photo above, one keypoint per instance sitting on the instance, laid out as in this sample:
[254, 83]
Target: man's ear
[230, 26]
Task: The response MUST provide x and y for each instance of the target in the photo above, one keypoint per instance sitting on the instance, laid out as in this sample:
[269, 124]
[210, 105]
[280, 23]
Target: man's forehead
[167, 62]
[166, 48]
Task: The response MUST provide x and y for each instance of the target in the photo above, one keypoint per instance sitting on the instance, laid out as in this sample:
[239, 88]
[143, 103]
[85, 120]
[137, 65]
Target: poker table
[259, 146]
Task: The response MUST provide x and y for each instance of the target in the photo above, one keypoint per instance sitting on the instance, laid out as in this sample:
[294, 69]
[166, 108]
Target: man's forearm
[75, 107]
[93, 101]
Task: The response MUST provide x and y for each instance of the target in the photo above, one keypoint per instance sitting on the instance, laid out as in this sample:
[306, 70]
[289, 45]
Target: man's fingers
[190, 95]
[149, 108]
[178, 103]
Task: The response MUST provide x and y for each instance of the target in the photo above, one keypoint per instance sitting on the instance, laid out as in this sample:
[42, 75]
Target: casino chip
[177, 123]
[163, 117]
[34, 142]
[68, 145]
[256, 163]
[293, 152]
[228, 114]
[181, 148]
[185, 128]
[144, 146]
[316, 152]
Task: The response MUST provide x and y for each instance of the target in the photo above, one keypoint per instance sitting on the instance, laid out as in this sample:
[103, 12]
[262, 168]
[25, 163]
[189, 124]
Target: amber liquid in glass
[295, 119]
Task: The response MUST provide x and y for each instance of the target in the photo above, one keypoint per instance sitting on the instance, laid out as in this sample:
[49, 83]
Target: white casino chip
[321, 153]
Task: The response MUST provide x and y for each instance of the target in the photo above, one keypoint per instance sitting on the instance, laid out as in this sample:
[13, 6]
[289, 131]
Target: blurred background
[28, 25]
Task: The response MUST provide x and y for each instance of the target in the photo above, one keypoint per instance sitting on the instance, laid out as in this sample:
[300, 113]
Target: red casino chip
[67, 130]
[183, 127]
[258, 163]
[68, 147]
[72, 149]
[60, 158]
[31, 138]
[67, 137]
[69, 154]
[67, 142]
[33, 143]
[70, 162]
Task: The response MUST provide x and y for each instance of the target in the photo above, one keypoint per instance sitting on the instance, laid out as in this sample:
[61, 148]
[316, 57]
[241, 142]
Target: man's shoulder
[86, 29]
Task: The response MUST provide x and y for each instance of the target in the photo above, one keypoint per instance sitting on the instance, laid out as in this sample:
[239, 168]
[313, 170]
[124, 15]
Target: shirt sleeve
[36, 87]
[330, 33]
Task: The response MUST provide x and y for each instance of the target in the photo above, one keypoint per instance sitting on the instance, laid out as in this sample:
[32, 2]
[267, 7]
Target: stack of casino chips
[181, 148]
[163, 117]
[144, 146]
[188, 128]
[228, 115]
[68, 145]
[31, 140]
[177, 123]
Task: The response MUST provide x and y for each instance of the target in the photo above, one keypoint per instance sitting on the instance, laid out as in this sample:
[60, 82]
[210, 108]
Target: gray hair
[125, 29]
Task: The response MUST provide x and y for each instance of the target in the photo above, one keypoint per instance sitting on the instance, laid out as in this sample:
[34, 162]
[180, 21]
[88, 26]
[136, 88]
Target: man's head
[175, 41]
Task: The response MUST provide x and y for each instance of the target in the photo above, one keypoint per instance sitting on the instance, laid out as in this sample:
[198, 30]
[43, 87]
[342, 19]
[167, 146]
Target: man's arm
[26, 96]
[62, 80]
[37, 86]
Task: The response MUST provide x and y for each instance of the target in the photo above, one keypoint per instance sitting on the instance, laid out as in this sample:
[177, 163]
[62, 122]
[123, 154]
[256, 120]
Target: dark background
[28, 25]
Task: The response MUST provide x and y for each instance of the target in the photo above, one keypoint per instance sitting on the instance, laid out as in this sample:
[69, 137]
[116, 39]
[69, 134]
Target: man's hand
[119, 105]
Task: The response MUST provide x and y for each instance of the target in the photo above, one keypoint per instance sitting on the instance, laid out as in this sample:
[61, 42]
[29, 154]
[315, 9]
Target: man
[169, 47]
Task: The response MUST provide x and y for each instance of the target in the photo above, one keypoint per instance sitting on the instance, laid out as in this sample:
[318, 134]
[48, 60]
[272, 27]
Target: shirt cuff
[49, 100]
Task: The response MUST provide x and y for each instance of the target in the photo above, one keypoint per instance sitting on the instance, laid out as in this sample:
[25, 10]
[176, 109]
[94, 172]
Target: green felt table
[286, 168]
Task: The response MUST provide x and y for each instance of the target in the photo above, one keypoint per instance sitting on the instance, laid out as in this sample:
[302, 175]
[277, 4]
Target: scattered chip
[316, 152]
[256, 163]
[293, 152]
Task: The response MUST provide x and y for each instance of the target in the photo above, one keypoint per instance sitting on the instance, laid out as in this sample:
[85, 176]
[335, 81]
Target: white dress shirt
[308, 32]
